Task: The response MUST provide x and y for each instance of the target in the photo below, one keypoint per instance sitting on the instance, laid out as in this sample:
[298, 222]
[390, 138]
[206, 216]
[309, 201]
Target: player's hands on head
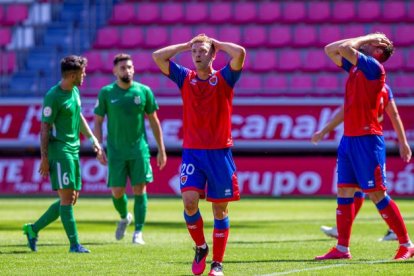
[44, 167]
[379, 39]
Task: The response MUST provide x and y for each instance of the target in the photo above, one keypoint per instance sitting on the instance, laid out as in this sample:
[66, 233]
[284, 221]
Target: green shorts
[65, 174]
[138, 171]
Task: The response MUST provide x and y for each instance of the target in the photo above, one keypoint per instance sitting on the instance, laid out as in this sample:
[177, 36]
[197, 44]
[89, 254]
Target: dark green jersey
[62, 109]
[125, 111]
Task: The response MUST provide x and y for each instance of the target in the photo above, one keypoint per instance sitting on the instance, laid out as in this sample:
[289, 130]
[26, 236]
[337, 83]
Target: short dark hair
[121, 57]
[387, 51]
[72, 63]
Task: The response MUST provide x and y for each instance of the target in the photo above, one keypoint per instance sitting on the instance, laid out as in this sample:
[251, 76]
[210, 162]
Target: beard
[126, 79]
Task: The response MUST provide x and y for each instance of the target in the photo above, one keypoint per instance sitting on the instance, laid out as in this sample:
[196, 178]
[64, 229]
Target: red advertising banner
[256, 125]
[258, 176]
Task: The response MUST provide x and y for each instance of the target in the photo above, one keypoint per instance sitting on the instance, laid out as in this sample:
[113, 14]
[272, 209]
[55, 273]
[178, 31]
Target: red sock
[195, 227]
[345, 214]
[358, 201]
[392, 216]
[220, 236]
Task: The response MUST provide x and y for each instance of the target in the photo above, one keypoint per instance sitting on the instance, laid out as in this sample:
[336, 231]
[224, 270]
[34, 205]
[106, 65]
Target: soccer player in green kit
[125, 103]
[62, 123]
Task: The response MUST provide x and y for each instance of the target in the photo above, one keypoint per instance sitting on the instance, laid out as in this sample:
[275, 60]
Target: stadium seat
[329, 33]
[172, 12]
[301, 84]
[383, 28]
[131, 37]
[245, 12]
[403, 84]
[5, 36]
[393, 11]
[2, 13]
[294, 11]
[230, 33]
[180, 34]
[123, 14]
[221, 60]
[319, 11]
[93, 84]
[304, 35]
[274, 84]
[107, 58]
[343, 11]
[147, 13]
[8, 62]
[368, 11]
[250, 84]
[264, 61]
[405, 35]
[353, 30]
[221, 12]
[327, 84]
[95, 62]
[279, 36]
[314, 60]
[143, 62]
[106, 38]
[254, 36]
[410, 11]
[196, 12]
[15, 14]
[268, 12]
[409, 64]
[289, 60]
[396, 61]
[205, 29]
[156, 36]
[151, 80]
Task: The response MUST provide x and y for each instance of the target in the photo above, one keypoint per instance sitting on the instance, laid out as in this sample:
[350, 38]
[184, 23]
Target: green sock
[48, 217]
[140, 210]
[121, 205]
[69, 223]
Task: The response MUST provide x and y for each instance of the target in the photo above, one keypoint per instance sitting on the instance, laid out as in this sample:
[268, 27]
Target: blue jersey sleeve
[346, 65]
[371, 68]
[178, 73]
[231, 76]
[390, 94]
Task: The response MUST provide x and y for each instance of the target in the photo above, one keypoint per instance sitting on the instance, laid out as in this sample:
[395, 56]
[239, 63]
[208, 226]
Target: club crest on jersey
[213, 80]
[137, 100]
[47, 111]
[183, 179]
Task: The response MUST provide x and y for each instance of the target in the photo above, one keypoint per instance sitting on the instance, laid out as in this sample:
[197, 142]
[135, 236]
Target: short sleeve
[151, 104]
[231, 76]
[178, 73]
[100, 105]
[371, 68]
[346, 64]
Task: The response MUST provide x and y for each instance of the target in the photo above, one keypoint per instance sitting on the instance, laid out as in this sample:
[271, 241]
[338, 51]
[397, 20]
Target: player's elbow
[343, 49]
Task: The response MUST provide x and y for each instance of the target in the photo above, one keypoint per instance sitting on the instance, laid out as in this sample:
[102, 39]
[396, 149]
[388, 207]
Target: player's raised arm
[236, 52]
[162, 56]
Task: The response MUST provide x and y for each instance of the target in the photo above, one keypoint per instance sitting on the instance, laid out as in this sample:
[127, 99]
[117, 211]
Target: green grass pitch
[267, 237]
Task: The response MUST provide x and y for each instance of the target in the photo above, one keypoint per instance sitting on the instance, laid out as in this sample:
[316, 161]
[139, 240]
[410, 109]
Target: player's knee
[190, 206]
[377, 196]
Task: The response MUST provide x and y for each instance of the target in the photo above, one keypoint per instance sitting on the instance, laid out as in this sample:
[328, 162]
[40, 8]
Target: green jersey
[125, 110]
[62, 109]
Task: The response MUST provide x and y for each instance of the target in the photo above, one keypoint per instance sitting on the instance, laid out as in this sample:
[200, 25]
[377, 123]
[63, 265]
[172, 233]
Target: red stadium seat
[230, 33]
[410, 11]
[131, 37]
[343, 11]
[5, 36]
[279, 36]
[16, 14]
[269, 12]
[245, 12]
[172, 12]
[249, 84]
[394, 11]
[289, 60]
[221, 60]
[403, 84]
[95, 63]
[275, 83]
[353, 30]
[254, 36]
[151, 80]
[395, 62]
[93, 84]
[221, 12]
[405, 36]
[2, 13]
[369, 11]
[304, 35]
[294, 12]
[409, 61]
[301, 83]
[205, 29]
[314, 60]
[328, 34]
[319, 11]
[8, 62]
[196, 12]
[107, 58]
[123, 14]
[143, 62]
[147, 13]
[328, 83]
[107, 37]
[180, 34]
[383, 28]
[264, 61]
[156, 36]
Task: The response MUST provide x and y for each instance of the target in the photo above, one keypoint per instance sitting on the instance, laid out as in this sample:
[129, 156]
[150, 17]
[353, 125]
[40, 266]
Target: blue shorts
[361, 163]
[210, 171]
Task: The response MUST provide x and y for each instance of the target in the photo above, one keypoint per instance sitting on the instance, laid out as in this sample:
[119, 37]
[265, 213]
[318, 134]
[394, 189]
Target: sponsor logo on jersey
[47, 111]
[213, 80]
[183, 179]
[137, 100]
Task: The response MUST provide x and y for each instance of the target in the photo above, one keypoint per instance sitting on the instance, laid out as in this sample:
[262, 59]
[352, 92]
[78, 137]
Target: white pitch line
[321, 267]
